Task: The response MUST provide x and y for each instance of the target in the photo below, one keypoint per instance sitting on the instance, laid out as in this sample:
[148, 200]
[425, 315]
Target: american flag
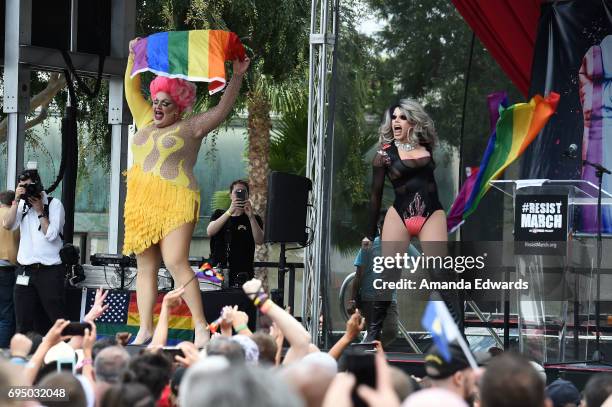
[122, 315]
[117, 312]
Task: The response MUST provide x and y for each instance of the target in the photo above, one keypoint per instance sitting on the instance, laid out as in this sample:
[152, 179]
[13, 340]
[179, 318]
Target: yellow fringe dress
[162, 193]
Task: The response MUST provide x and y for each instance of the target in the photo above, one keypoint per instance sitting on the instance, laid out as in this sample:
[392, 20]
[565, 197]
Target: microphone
[571, 152]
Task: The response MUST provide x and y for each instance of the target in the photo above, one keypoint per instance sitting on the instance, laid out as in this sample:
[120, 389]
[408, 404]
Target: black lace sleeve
[378, 183]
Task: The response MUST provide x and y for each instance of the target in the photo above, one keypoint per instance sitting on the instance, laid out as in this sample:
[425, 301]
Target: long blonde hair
[424, 131]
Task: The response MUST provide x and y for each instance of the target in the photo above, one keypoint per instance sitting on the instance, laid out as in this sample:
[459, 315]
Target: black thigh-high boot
[454, 302]
[375, 324]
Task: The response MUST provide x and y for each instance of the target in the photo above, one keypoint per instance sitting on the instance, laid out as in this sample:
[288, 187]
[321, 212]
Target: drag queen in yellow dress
[163, 199]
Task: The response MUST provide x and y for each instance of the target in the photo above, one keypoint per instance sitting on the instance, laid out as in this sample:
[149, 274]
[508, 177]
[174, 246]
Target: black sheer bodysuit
[416, 193]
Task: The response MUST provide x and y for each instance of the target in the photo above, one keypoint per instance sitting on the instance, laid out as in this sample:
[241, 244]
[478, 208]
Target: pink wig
[182, 92]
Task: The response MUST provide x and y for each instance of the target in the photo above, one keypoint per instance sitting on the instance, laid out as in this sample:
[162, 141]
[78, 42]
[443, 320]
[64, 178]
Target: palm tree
[264, 97]
[276, 36]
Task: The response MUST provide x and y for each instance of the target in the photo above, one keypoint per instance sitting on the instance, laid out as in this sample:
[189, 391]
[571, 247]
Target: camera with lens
[33, 189]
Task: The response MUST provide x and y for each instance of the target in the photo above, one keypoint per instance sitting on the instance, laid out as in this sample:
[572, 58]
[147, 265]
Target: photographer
[39, 286]
[233, 234]
[9, 242]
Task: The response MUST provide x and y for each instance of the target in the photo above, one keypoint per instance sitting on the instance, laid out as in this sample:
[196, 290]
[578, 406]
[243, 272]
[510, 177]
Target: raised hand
[89, 338]
[173, 298]
[248, 208]
[227, 317]
[190, 352]
[123, 338]
[236, 205]
[54, 335]
[20, 191]
[133, 43]
[20, 345]
[366, 243]
[240, 67]
[251, 288]
[98, 307]
[240, 318]
[232, 208]
[355, 324]
[383, 395]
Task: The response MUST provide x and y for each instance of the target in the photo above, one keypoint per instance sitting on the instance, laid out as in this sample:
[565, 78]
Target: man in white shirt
[39, 287]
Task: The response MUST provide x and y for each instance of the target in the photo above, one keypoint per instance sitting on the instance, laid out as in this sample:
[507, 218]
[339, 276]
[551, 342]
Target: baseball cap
[437, 367]
[563, 392]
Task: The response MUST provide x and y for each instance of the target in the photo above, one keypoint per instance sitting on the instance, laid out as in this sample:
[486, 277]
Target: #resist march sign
[540, 224]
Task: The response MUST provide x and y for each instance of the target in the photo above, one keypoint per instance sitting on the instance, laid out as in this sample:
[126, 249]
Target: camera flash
[32, 165]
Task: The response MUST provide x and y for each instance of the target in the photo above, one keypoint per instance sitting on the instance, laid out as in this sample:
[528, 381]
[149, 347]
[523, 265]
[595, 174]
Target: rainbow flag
[197, 55]
[454, 218]
[517, 126]
[122, 315]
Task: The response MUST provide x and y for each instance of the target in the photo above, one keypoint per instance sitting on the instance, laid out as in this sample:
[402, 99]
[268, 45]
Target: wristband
[266, 306]
[18, 360]
[84, 363]
[214, 326]
[260, 299]
[228, 213]
[241, 327]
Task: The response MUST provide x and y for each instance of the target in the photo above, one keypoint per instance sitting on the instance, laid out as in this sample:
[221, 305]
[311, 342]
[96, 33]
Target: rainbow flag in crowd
[197, 55]
[516, 127]
[122, 315]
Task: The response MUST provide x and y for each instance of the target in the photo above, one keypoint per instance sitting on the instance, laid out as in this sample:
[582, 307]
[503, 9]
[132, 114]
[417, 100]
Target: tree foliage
[289, 144]
[356, 88]
[275, 33]
[427, 44]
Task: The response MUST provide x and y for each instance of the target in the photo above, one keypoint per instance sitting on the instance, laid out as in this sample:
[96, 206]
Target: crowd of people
[277, 365]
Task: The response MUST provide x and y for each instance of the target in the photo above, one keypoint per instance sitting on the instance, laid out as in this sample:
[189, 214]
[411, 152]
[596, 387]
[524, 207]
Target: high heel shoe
[144, 343]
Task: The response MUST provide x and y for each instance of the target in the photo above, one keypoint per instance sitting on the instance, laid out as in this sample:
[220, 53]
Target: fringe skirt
[153, 208]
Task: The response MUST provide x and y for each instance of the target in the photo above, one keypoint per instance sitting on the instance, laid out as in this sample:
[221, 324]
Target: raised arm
[378, 184]
[171, 299]
[206, 122]
[52, 338]
[354, 326]
[142, 111]
[218, 219]
[294, 332]
[11, 221]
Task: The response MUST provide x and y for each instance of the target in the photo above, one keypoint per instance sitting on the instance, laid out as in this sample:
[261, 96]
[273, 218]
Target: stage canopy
[507, 28]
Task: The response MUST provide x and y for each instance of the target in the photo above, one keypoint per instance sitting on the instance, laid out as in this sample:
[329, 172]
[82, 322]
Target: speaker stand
[282, 269]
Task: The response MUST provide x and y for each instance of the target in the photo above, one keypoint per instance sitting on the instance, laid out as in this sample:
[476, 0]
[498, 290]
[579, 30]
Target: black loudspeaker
[51, 25]
[286, 211]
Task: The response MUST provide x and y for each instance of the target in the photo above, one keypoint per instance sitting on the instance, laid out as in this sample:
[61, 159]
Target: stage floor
[109, 277]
